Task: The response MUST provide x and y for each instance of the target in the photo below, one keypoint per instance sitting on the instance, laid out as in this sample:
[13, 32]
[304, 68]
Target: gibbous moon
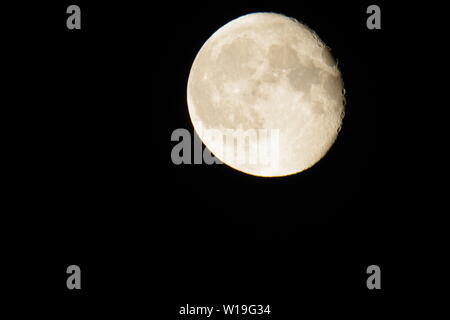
[271, 80]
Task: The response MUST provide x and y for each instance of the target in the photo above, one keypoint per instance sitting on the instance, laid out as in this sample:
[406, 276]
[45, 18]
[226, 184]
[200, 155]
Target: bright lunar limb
[265, 95]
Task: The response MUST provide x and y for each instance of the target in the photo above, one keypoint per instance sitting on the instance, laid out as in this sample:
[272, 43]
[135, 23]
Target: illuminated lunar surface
[267, 71]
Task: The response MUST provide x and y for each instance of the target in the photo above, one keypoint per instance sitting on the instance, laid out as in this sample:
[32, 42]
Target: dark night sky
[94, 168]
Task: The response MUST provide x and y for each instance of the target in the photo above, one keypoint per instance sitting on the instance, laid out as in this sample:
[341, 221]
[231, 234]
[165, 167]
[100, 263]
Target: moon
[268, 80]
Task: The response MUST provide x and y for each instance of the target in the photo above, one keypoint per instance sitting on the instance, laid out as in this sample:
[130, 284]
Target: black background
[93, 182]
